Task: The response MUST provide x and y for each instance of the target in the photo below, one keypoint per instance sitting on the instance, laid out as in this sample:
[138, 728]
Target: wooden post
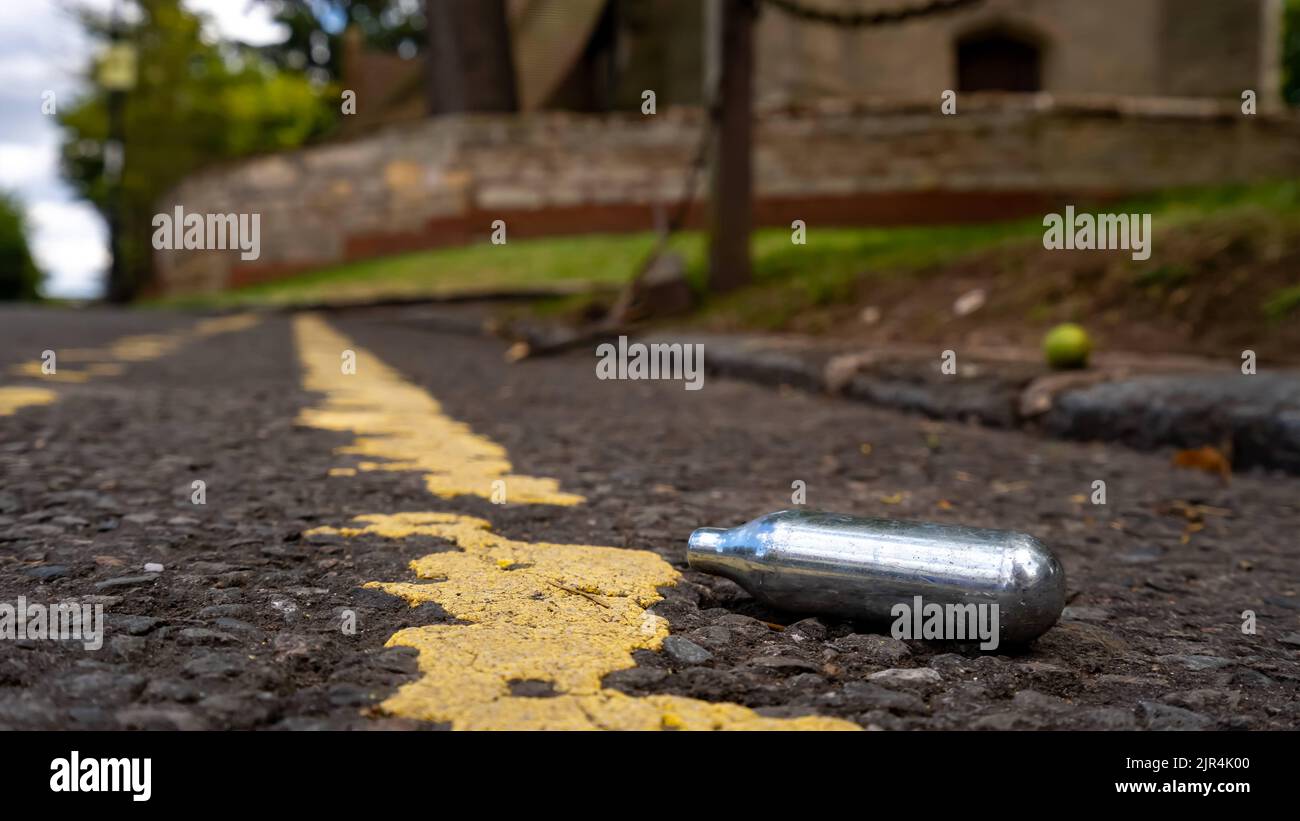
[730, 55]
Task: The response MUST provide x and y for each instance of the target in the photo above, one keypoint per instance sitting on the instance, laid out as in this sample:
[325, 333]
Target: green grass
[788, 278]
[832, 259]
[592, 260]
[1283, 303]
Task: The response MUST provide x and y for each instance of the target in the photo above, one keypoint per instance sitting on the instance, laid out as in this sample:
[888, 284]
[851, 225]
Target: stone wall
[1183, 48]
[443, 182]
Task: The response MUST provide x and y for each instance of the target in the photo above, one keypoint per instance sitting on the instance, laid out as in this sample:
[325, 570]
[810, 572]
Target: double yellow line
[107, 361]
[563, 614]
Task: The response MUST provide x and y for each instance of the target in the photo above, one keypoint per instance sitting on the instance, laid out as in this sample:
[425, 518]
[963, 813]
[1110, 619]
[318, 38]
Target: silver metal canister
[859, 568]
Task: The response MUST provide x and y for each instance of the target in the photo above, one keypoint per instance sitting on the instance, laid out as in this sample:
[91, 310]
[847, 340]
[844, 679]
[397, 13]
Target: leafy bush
[19, 277]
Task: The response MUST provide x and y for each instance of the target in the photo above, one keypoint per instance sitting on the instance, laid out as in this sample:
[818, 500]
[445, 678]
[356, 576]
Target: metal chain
[862, 19]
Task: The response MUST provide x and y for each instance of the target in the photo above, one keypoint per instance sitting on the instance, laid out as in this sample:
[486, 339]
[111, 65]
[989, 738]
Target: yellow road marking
[17, 397]
[562, 613]
[407, 428]
[135, 348]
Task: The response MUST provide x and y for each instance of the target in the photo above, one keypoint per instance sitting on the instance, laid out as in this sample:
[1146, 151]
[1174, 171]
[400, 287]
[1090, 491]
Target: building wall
[443, 181]
[1195, 48]
[1182, 48]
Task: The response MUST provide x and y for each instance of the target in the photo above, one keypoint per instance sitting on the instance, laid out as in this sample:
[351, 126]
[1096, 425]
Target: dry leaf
[1207, 458]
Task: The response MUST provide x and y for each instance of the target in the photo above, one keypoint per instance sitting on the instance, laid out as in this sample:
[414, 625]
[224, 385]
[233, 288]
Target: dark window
[997, 61]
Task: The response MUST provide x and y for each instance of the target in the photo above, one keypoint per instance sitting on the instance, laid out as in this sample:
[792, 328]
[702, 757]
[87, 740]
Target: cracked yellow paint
[13, 399]
[566, 614]
[403, 425]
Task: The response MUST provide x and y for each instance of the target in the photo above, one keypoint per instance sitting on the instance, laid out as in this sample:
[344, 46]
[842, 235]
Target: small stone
[1085, 614]
[159, 718]
[1108, 718]
[867, 696]
[90, 718]
[127, 647]
[46, 572]
[744, 626]
[27, 710]
[214, 665]
[969, 302]
[685, 651]
[287, 607]
[807, 629]
[350, 695]
[213, 611]
[291, 644]
[906, 676]
[1006, 721]
[1166, 717]
[1195, 662]
[103, 686]
[1034, 700]
[784, 663]
[139, 518]
[169, 690]
[202, 635]
[236, 625]
[1202, 698]
[239, 711]
[153, 567]
[873, 648]
[137, 625]
[950, 664]
[804, 682]
[1247, 677]
[125, 581]
[1043, 672]
[714, 635]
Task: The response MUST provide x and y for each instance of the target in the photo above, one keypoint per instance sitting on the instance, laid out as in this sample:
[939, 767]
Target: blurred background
[917, 144]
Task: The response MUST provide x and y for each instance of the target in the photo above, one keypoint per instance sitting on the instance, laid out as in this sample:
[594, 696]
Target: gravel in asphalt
[242, 627]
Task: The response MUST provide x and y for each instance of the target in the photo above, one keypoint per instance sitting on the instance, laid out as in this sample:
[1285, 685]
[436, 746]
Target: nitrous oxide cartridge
[860, 568]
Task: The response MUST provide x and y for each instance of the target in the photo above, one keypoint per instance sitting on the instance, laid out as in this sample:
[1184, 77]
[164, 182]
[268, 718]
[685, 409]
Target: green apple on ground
[1067, 346]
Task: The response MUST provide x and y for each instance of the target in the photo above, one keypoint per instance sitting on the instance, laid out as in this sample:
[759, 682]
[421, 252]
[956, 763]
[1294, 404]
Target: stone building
[1119, 97]
[1175, 48]
[600, 55]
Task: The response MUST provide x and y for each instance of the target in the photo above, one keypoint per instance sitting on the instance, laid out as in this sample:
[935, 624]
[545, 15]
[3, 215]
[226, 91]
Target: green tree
[19, 276]
[316, 30]
[195, 103]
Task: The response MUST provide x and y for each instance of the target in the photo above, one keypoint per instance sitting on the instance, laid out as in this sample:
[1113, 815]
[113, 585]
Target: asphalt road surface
[440, 539]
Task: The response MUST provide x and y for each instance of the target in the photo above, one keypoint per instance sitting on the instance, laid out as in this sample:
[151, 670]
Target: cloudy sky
[41, 48]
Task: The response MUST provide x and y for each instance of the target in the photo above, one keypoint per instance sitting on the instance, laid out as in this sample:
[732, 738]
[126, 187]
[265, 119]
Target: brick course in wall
[443, 181]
